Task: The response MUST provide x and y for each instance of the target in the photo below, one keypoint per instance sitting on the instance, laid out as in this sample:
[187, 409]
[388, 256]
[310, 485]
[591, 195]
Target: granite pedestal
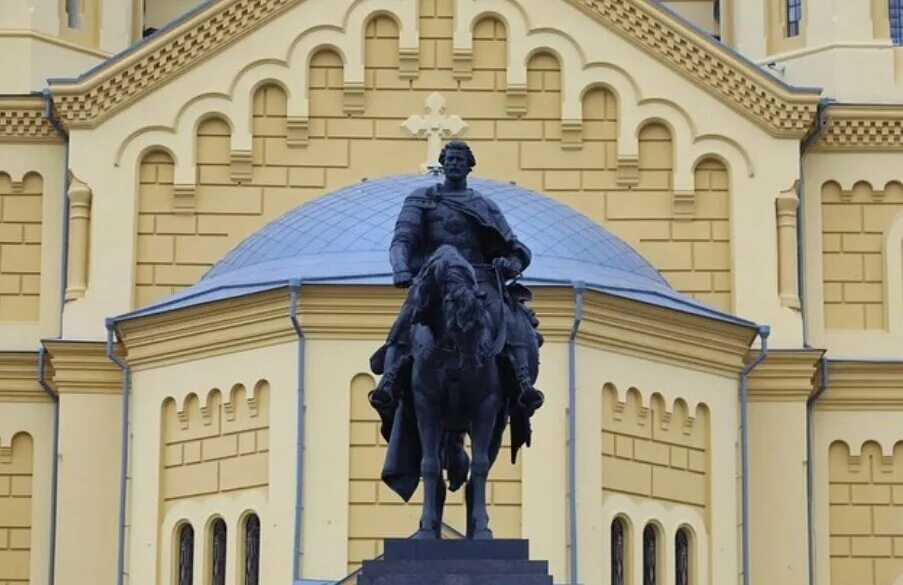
[455, 562]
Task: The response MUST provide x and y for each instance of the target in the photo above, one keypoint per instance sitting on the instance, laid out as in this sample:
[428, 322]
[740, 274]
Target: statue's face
[455, 165]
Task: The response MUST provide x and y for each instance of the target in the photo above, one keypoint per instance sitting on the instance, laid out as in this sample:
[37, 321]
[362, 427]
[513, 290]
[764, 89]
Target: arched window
[617, 552]
[896, 21]
[252, 550]
[650, 555]
[186, 555]
[794, 16]
[218, 550]
[682, 557]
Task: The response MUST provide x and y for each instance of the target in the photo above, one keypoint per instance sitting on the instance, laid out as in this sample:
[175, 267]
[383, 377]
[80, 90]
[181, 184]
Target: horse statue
[458, 375]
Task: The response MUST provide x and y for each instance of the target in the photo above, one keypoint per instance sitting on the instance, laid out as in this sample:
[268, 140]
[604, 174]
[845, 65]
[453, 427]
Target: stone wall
[854, 225]
[15, 509]
[20, 247]
[657, 452]
[215, 446]
[866, 519]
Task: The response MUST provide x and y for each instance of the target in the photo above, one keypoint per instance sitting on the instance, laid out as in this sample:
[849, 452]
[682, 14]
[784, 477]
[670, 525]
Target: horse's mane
[445, 266]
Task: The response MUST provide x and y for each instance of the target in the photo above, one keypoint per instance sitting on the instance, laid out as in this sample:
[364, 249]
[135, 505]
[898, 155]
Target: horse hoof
[424, 534]
[482, 534]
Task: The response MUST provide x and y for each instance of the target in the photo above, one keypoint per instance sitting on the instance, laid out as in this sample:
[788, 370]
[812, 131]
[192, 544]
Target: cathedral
[196, 205]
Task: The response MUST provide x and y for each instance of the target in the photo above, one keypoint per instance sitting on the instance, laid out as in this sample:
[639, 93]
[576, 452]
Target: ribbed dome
[344, 237]
[343, 233]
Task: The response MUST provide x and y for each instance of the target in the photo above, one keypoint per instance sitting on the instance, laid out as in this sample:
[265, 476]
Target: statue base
[455, 562]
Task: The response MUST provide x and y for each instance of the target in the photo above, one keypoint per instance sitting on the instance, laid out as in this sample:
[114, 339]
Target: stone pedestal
[455, 562]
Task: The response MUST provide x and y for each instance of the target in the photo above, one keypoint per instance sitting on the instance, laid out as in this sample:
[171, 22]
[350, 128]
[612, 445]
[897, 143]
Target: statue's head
[457, 160]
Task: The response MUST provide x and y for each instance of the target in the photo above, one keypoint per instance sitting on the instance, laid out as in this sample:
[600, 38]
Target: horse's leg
[440, 504]
[468, 502]
[481, 436]
[429, 425]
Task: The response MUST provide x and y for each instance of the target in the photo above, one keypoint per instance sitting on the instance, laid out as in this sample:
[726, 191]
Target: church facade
[193, 249]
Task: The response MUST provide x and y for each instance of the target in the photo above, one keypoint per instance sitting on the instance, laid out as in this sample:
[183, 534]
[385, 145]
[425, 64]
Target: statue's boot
[383, 396]
[530, 398]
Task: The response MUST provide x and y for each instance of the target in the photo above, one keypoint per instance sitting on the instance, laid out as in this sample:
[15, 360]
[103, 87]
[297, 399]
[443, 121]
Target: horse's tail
[454, 458]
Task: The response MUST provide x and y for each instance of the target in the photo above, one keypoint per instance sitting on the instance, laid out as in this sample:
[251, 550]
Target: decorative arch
[183, 554]
[248, 561]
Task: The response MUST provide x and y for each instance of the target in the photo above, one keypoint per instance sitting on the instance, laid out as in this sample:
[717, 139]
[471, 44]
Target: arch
[217, 531]
[33, 182]
[653, 537]
[22, 444]
[489, 14]
[685, 560]
[831, 190]
[893, 270]
[183, 553]
[893, 189]
[727, 150]
[862, 190]
[247, 562]
[621, 550]
[258, 74]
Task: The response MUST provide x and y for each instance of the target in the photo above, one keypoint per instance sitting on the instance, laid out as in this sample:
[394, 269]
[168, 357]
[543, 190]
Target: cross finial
[435, 126]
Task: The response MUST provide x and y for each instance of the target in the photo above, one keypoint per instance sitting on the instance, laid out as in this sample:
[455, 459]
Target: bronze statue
[463, 354]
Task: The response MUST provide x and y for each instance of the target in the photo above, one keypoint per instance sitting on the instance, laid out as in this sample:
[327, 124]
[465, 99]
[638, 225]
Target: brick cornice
[777, 108]
[82, 367]
[863, 385]
[851, 128]
[22, 120]
[19, 377]
[784, 376]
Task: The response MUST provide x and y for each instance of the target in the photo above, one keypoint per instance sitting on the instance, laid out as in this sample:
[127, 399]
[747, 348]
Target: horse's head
[448, 289]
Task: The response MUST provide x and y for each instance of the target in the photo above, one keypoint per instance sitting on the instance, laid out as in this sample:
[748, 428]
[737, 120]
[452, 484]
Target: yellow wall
[20, 248]
[866, 495]
[658, 453]
[855, 223]
[234, 198]
[16, 471]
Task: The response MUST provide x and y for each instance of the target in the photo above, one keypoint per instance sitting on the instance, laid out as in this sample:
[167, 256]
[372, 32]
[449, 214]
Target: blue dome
[347, 233]
[344, 237]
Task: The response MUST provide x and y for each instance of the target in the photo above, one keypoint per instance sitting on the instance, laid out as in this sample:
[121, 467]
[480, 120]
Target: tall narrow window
[682, 557]
[617, 552]
[649, 556]
[794, 16]
[896, 21]
[186, 555]
[252, 550]
[218, 549]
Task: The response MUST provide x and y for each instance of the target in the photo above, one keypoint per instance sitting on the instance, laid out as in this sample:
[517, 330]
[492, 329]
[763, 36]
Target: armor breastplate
[445, 225]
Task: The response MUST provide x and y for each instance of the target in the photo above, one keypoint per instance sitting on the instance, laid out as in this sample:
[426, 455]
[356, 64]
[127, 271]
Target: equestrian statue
[463, 354]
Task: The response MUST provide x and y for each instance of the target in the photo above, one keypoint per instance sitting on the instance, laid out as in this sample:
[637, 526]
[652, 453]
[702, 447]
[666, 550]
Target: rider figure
[451, 214]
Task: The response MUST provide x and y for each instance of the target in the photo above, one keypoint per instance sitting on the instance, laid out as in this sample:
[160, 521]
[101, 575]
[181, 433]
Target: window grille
[682, 557]
[252, 550]
[794, 16]
[896, 21]
[649, 556]
[218, 549]
[617, 552]
[186, 555]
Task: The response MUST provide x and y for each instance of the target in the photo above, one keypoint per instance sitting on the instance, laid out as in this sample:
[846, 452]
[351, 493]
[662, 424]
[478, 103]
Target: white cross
[435, 125]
